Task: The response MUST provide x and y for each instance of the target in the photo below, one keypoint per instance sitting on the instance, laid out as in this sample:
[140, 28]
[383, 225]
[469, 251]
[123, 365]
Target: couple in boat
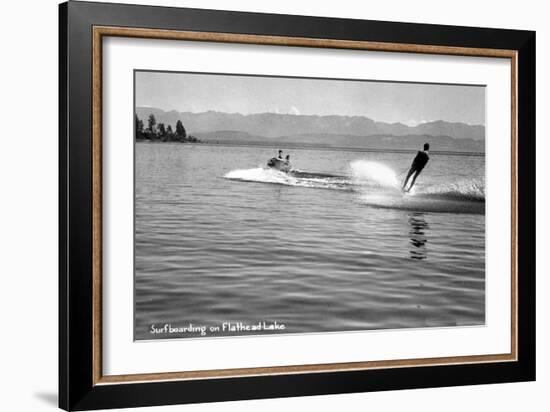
[287, 158]
[280, 163]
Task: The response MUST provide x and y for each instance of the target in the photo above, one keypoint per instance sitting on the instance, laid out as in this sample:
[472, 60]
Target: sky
[408, 103]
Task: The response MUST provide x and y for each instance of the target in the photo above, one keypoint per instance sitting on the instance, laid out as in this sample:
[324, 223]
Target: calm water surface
[333, 247]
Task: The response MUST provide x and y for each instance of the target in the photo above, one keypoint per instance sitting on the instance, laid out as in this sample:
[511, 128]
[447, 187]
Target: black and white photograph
[214, 206]
[287, 205]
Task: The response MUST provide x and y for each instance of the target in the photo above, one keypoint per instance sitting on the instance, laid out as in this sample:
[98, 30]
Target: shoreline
[313, 147]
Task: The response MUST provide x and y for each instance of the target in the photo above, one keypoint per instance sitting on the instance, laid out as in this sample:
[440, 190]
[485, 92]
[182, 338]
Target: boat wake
[292, 178]
[377, 185]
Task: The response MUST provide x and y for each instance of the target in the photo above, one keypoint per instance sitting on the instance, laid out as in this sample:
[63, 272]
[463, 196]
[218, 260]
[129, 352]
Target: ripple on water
[210, 250]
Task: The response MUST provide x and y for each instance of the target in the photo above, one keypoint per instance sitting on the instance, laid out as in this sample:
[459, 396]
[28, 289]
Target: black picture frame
[77, 390]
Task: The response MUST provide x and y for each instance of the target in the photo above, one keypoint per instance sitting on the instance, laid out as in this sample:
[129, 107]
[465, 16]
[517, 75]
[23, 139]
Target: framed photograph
[256, 205]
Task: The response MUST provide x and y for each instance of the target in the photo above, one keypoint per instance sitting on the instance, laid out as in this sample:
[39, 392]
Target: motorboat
[279, 164]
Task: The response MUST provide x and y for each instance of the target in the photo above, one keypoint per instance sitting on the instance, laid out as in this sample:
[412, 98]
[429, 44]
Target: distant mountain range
[330, 131]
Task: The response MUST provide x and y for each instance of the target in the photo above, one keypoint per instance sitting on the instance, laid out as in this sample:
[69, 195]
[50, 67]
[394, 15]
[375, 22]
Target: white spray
[366, 172]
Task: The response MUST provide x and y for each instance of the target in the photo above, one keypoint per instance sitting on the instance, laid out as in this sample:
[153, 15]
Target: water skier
[419, 162]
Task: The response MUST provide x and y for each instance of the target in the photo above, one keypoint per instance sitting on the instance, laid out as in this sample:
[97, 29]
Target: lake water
[221, 242]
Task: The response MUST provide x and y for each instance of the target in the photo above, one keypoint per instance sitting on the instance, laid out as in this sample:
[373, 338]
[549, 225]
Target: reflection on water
[417, 234]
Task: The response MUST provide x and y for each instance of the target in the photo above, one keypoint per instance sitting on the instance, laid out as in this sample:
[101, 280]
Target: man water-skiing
[418, 164]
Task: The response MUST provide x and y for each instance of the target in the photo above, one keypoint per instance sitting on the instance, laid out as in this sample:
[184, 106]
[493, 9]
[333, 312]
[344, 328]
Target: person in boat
[279, 162]
[418, 163]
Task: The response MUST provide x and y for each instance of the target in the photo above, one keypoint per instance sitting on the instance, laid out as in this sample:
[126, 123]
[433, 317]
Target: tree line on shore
[159, 132]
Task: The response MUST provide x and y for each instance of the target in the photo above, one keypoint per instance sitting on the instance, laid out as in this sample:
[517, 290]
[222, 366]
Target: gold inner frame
[101, 31]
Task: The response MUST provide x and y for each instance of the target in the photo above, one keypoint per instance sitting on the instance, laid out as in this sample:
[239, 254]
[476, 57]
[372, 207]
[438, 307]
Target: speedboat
[279, 164]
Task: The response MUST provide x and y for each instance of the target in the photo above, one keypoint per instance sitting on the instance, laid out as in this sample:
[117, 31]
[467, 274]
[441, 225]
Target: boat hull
[279, 164]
